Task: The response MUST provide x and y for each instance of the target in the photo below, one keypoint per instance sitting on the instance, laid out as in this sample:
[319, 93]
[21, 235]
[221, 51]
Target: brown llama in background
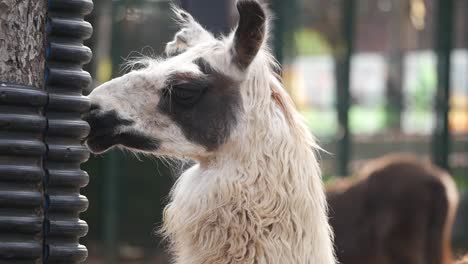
[463, 261]
[398, 210]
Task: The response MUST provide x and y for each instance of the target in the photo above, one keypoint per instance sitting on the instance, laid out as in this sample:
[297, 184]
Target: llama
[255, 194]
[464, 260]
[400, 209]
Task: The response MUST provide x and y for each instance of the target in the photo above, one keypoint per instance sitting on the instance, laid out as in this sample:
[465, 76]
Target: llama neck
[260, 201]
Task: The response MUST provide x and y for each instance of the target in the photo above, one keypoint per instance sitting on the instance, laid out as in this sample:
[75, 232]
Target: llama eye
[185, 94]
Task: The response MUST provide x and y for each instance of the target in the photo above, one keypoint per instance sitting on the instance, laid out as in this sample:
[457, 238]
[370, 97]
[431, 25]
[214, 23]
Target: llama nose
[104, 122]
[90, 117]
[94, 109]
[94, 106]
[92, 113]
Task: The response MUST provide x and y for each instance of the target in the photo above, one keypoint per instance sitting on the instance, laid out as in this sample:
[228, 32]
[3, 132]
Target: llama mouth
[101, 143]
[105, 132]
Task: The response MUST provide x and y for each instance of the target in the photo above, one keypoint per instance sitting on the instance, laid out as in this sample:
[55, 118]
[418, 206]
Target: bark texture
[22, 38]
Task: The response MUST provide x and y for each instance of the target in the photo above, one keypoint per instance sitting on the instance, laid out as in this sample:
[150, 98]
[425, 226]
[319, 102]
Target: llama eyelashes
[185, 94]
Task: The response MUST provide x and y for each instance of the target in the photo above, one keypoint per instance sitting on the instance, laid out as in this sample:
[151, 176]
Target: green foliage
[422, 93]
[362, 120]
[311, 42]
[322, 123]
[460, 177]
[367, 120]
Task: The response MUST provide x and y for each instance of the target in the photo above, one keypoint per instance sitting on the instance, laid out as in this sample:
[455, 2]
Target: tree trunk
[22, 38]
[22, 129]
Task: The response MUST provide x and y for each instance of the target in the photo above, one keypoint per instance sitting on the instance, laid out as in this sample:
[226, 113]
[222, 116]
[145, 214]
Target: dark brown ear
[250, 32]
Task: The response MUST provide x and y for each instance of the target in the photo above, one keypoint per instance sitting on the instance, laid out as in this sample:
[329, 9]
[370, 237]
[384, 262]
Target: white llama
[255, 195]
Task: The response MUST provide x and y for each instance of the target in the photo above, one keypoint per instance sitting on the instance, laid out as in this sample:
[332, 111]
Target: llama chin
[256, 194]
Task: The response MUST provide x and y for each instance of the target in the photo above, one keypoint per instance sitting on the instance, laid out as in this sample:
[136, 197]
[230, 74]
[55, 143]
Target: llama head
[184, 105]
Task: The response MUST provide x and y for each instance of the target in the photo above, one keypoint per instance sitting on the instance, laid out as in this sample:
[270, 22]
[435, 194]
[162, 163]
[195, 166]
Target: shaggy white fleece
[261, 200]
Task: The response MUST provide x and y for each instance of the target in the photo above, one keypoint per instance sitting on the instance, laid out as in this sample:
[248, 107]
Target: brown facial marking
[205, 108]
[250, 32]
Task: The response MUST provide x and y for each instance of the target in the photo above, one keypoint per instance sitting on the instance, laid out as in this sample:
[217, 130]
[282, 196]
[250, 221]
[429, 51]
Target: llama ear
[250, 32]
[190, 34]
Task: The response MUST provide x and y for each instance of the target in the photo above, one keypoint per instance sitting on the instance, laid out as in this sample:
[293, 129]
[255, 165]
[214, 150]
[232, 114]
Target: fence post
[343, 55]
[112, 161]
[278, 30]
[443, 46]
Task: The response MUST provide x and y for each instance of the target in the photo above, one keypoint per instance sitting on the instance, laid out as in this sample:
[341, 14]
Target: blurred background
[370, 76]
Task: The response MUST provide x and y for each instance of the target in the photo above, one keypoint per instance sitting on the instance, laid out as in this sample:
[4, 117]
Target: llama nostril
[86, 117]
[94, 106]
[93, 110]
[89, 115]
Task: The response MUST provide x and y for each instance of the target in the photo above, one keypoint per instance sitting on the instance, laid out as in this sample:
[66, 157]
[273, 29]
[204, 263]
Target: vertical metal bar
[395, 56]
[278, 30]
[111, 163]
[343, 55]
[110, 200]
[287, 20]
[443, 46]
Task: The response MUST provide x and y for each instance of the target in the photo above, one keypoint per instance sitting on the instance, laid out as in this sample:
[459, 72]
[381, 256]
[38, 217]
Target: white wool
[258, 198]
[261, 199]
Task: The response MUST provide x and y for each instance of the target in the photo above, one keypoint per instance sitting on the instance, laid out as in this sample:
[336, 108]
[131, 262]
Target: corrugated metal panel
[65, 81]
[22, 127]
